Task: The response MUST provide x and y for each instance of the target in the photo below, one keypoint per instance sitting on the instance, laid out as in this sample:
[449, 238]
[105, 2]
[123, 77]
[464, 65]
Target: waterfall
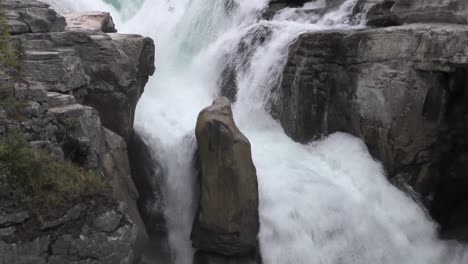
[327, 202]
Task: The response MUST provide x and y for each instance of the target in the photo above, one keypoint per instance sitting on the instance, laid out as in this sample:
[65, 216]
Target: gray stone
[32, 16]
[60, 71]
[115, 162]
[400, 89]
[397, 12]
[116, 101]
[276, 5]
[100, 247]
[31, 91]
[98, 21]
[13, 219]
[83, 141]
[32, 109]
[313, 13]
[227, 220]
[148, 176]
[71, 215]
[111, 69]
[6, 232]
[25, 253]
[57, 99]
[240, 61]
[108, 222]
[18, 27]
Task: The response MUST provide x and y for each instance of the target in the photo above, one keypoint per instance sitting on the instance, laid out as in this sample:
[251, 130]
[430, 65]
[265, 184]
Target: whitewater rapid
[327, 202]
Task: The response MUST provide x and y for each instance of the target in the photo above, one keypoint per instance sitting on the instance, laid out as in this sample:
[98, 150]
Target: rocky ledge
[402, 89]
[71, 92]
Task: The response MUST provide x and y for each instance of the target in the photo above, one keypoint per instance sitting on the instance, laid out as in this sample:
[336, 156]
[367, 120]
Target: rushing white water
[327, 202]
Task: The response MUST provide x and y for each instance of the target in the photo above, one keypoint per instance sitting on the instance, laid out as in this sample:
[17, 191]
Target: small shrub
[12, 106]
[69, 123]
[33, 178]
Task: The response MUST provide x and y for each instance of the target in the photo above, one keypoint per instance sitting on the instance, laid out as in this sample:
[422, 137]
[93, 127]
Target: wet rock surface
[27, 16]
[105, 71]
[227, 221]
[148, 177]
[402, 90]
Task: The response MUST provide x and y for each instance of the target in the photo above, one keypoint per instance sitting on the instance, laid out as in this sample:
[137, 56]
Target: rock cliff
[402, 89]
[398, 12]
[72, 93]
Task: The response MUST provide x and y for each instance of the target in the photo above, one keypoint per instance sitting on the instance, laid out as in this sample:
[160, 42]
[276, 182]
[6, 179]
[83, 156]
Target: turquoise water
[122, 4]
[116, 3]
[127, 8]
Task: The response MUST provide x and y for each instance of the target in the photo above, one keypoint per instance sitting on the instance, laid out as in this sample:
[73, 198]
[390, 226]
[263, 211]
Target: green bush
[33, 177]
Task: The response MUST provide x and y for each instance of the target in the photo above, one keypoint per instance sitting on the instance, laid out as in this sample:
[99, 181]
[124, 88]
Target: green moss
[33, 178]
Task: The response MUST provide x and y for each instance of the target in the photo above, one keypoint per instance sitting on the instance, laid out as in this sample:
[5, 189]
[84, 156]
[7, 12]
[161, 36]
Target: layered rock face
[99, 21]
[100, 69]
[276, 5]
[80, 87]
[25, 16]
[397, 12]
[227, 222]
[401, 89]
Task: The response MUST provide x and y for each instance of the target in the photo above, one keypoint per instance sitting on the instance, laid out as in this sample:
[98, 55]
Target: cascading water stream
[327, 202]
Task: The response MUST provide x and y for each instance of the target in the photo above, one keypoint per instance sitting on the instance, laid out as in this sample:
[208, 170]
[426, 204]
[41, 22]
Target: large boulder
[227, 220]
[402, 90]
[105, 71]
[98, 21]
[56, 104]
[30, 16]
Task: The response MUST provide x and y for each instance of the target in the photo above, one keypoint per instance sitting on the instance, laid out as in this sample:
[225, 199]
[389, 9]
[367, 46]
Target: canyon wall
[401, 86]
[78, 88]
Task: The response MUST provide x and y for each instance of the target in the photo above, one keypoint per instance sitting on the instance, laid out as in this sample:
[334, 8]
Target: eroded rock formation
[227, 221]
[79, 87]
[398, 12]
[401, 89]
[99, 21]
[105, 71]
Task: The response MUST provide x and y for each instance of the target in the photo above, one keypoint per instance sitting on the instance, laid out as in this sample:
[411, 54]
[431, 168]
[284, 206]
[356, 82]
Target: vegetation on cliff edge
[34, 179]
